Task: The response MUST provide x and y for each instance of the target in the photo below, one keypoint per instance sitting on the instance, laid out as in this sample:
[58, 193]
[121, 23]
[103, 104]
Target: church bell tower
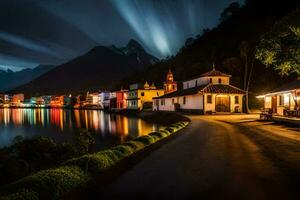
[170, 85]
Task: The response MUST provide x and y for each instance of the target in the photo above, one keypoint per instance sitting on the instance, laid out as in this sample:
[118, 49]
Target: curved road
[216, 158]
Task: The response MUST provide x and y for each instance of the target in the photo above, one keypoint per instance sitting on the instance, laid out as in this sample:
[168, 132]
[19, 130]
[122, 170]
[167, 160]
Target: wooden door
[223, 104]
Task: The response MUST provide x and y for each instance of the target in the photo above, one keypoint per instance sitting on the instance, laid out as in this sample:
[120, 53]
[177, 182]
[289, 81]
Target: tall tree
[247, 55]
[280, 48]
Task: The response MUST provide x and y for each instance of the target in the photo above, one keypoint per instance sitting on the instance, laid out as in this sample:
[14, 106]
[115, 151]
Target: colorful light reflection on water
[59, 124]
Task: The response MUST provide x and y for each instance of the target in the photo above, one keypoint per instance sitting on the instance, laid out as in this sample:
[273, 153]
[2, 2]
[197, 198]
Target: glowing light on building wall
[267, 99]
[286, 99]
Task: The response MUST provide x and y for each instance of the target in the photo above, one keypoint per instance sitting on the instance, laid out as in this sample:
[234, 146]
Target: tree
[229, 11]
[189, 41]
[280, 48]
[247, 53]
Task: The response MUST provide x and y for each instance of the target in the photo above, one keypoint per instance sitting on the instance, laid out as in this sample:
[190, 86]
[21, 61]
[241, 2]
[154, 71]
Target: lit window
[209, 99]
[236, 99]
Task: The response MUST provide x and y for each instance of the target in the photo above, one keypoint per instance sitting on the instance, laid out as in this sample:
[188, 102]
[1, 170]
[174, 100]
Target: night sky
[34, 32]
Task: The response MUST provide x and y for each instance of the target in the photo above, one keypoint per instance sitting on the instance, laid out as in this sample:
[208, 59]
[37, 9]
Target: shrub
[170, 129]
[146, 139]
[124, 149]
[165, 131]
[97, 162]
[136, 145]
[36, 149]
[159, 134]
[22, 194]
[82, 140]
[52, 183]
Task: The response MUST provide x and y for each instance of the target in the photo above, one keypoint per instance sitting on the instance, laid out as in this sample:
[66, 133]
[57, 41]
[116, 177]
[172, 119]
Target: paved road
[216, 158]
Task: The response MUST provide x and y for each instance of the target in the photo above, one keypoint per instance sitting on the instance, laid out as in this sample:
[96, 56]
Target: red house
[121, 96]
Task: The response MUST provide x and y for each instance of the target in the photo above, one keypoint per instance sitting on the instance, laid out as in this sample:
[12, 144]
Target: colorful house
[93, 99]
[121, 98]
[210, 92]
[105, 99]
[60, 101]
[113, 100]
[17, 100]
[141, 96]
[284, 100]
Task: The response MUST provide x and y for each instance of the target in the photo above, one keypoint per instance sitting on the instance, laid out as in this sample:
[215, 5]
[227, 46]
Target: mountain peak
[133, 44]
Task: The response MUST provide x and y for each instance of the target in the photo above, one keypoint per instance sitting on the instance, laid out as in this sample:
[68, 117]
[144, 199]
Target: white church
[207, 93]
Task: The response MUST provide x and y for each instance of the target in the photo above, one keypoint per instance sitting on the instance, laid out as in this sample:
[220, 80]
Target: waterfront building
[113, 100]
[210, 92]
[17, 100]
[141, 96]
[93, 99]
[60, 101]
[105, 99]
[80, 101]
[121, 97]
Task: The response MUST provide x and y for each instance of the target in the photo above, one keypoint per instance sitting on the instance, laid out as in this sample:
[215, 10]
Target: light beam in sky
[24, 42]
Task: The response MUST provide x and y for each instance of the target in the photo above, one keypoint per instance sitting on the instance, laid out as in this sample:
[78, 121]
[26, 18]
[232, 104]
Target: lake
[59, 124]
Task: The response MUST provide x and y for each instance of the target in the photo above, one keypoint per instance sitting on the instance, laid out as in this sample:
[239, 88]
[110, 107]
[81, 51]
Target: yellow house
[141, 96]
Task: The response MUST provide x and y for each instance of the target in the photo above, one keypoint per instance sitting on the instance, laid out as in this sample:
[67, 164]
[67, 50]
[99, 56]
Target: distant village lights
[208, 93]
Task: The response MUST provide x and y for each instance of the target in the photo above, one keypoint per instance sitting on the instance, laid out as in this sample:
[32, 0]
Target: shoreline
[82, 171]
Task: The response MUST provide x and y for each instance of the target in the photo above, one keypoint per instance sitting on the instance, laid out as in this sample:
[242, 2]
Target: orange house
[121, 96]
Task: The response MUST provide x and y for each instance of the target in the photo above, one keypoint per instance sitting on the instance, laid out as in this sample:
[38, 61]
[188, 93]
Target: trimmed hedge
[52, 183]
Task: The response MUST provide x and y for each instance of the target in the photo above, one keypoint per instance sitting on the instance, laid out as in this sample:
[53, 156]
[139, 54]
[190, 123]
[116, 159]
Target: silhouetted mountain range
[100, 68]
[10, 79]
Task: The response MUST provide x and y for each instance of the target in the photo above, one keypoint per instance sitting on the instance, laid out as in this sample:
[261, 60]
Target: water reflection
[59, 124]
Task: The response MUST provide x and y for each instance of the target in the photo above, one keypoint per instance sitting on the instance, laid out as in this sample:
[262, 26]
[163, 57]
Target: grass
[53, 183]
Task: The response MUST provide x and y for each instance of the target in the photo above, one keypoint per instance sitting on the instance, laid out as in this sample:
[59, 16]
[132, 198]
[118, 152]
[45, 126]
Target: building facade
[283, 100]
[121, 98]
[141, 96]
[210, 92]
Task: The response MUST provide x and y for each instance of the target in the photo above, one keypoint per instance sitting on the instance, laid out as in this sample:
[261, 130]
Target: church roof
[210, 74]
[221, 88]
[209, 88]
[215, 73]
